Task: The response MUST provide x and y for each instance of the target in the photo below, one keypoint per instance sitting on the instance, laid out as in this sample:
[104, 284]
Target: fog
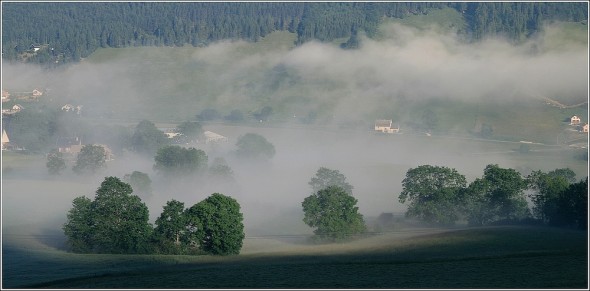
[407, 64]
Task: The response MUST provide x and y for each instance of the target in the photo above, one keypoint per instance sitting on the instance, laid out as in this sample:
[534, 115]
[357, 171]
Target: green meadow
[494, 257]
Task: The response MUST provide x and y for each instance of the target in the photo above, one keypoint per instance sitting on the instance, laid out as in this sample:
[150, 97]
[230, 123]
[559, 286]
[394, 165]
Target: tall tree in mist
[573, 205]
[120, 219]
[170, 227]
[178, 161]
[216, 224]
[325, 177]
[334, 214]
[78, 228]
[255, 146]
[498, 195]
[147, 138]
[115, 222]
[90, 159]
[433, 193]
[557, 199]
[140, 182]
[55, 162]
[191, 131]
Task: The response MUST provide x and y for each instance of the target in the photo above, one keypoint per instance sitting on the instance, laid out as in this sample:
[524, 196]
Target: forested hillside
[65, 32]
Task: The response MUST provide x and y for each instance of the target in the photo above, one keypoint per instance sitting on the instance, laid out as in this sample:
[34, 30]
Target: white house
[67, 107]
[5, 140]
[37, 93]
[214, 137]
[575, 120]
[5, 96]
[386, 126]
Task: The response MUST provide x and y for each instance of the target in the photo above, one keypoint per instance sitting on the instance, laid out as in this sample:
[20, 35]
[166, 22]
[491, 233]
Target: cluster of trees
[170, 159]
[441, 195]
[73, 31]
[116, 222]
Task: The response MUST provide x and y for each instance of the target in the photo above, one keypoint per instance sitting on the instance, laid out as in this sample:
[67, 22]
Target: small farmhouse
[5, 96]
[386, 126]
[575, 120]
[585, 128]
[5, 140]
[67, 107]
[14, 109]
[214, 137]
[171, 133]
[37, 93]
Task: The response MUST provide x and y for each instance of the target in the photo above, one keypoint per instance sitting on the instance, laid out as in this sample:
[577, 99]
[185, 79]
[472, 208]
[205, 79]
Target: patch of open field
[500, 257]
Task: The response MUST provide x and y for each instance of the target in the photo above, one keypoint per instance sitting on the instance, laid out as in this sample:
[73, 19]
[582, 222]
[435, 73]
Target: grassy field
[501, 257]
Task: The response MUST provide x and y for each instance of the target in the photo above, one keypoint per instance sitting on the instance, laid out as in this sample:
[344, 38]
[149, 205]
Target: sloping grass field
[494, 257]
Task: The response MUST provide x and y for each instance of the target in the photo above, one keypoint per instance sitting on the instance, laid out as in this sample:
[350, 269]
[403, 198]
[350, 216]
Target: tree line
[116, 221]
[441, 195]
[72, 31]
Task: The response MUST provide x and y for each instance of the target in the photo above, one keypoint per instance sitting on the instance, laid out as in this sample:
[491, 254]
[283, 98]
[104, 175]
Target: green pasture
[495, 257]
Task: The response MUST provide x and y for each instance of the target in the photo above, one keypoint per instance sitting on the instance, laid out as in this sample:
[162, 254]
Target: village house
[35, 47]
[585, 128]
[67, 107]
[214, 137]
[386, 126]
[14, 109]
[37, 93]
[5, 140]
[575, 120]
[5, 96]
[71, 108]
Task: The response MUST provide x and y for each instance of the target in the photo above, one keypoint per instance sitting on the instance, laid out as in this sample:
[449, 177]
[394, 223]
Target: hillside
[472, 258]
[58, 33]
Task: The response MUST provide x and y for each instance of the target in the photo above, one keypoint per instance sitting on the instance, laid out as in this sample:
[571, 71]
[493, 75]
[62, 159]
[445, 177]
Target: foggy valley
[325, 101]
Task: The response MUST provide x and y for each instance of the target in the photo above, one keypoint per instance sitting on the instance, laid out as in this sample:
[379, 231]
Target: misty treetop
[325, 177]
[254, 146]
[67, 32]
[175, 160]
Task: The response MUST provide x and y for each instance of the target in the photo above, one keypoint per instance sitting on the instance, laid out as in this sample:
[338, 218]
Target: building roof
[383, 122]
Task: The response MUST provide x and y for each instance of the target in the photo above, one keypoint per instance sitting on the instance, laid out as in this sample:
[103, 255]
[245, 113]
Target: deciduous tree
[216, 225]
[334, 214]
[433, 193]
[176, 160]
[498, 195]
[170, 228]
[55, 162]
[78, 228]
[147, 138]
[90, 159]
[120, 219]
[140, 182]
[115, 222]
[255, 146]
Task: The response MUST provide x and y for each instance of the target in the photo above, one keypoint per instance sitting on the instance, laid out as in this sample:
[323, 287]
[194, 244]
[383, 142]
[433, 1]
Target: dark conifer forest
[71, 31]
